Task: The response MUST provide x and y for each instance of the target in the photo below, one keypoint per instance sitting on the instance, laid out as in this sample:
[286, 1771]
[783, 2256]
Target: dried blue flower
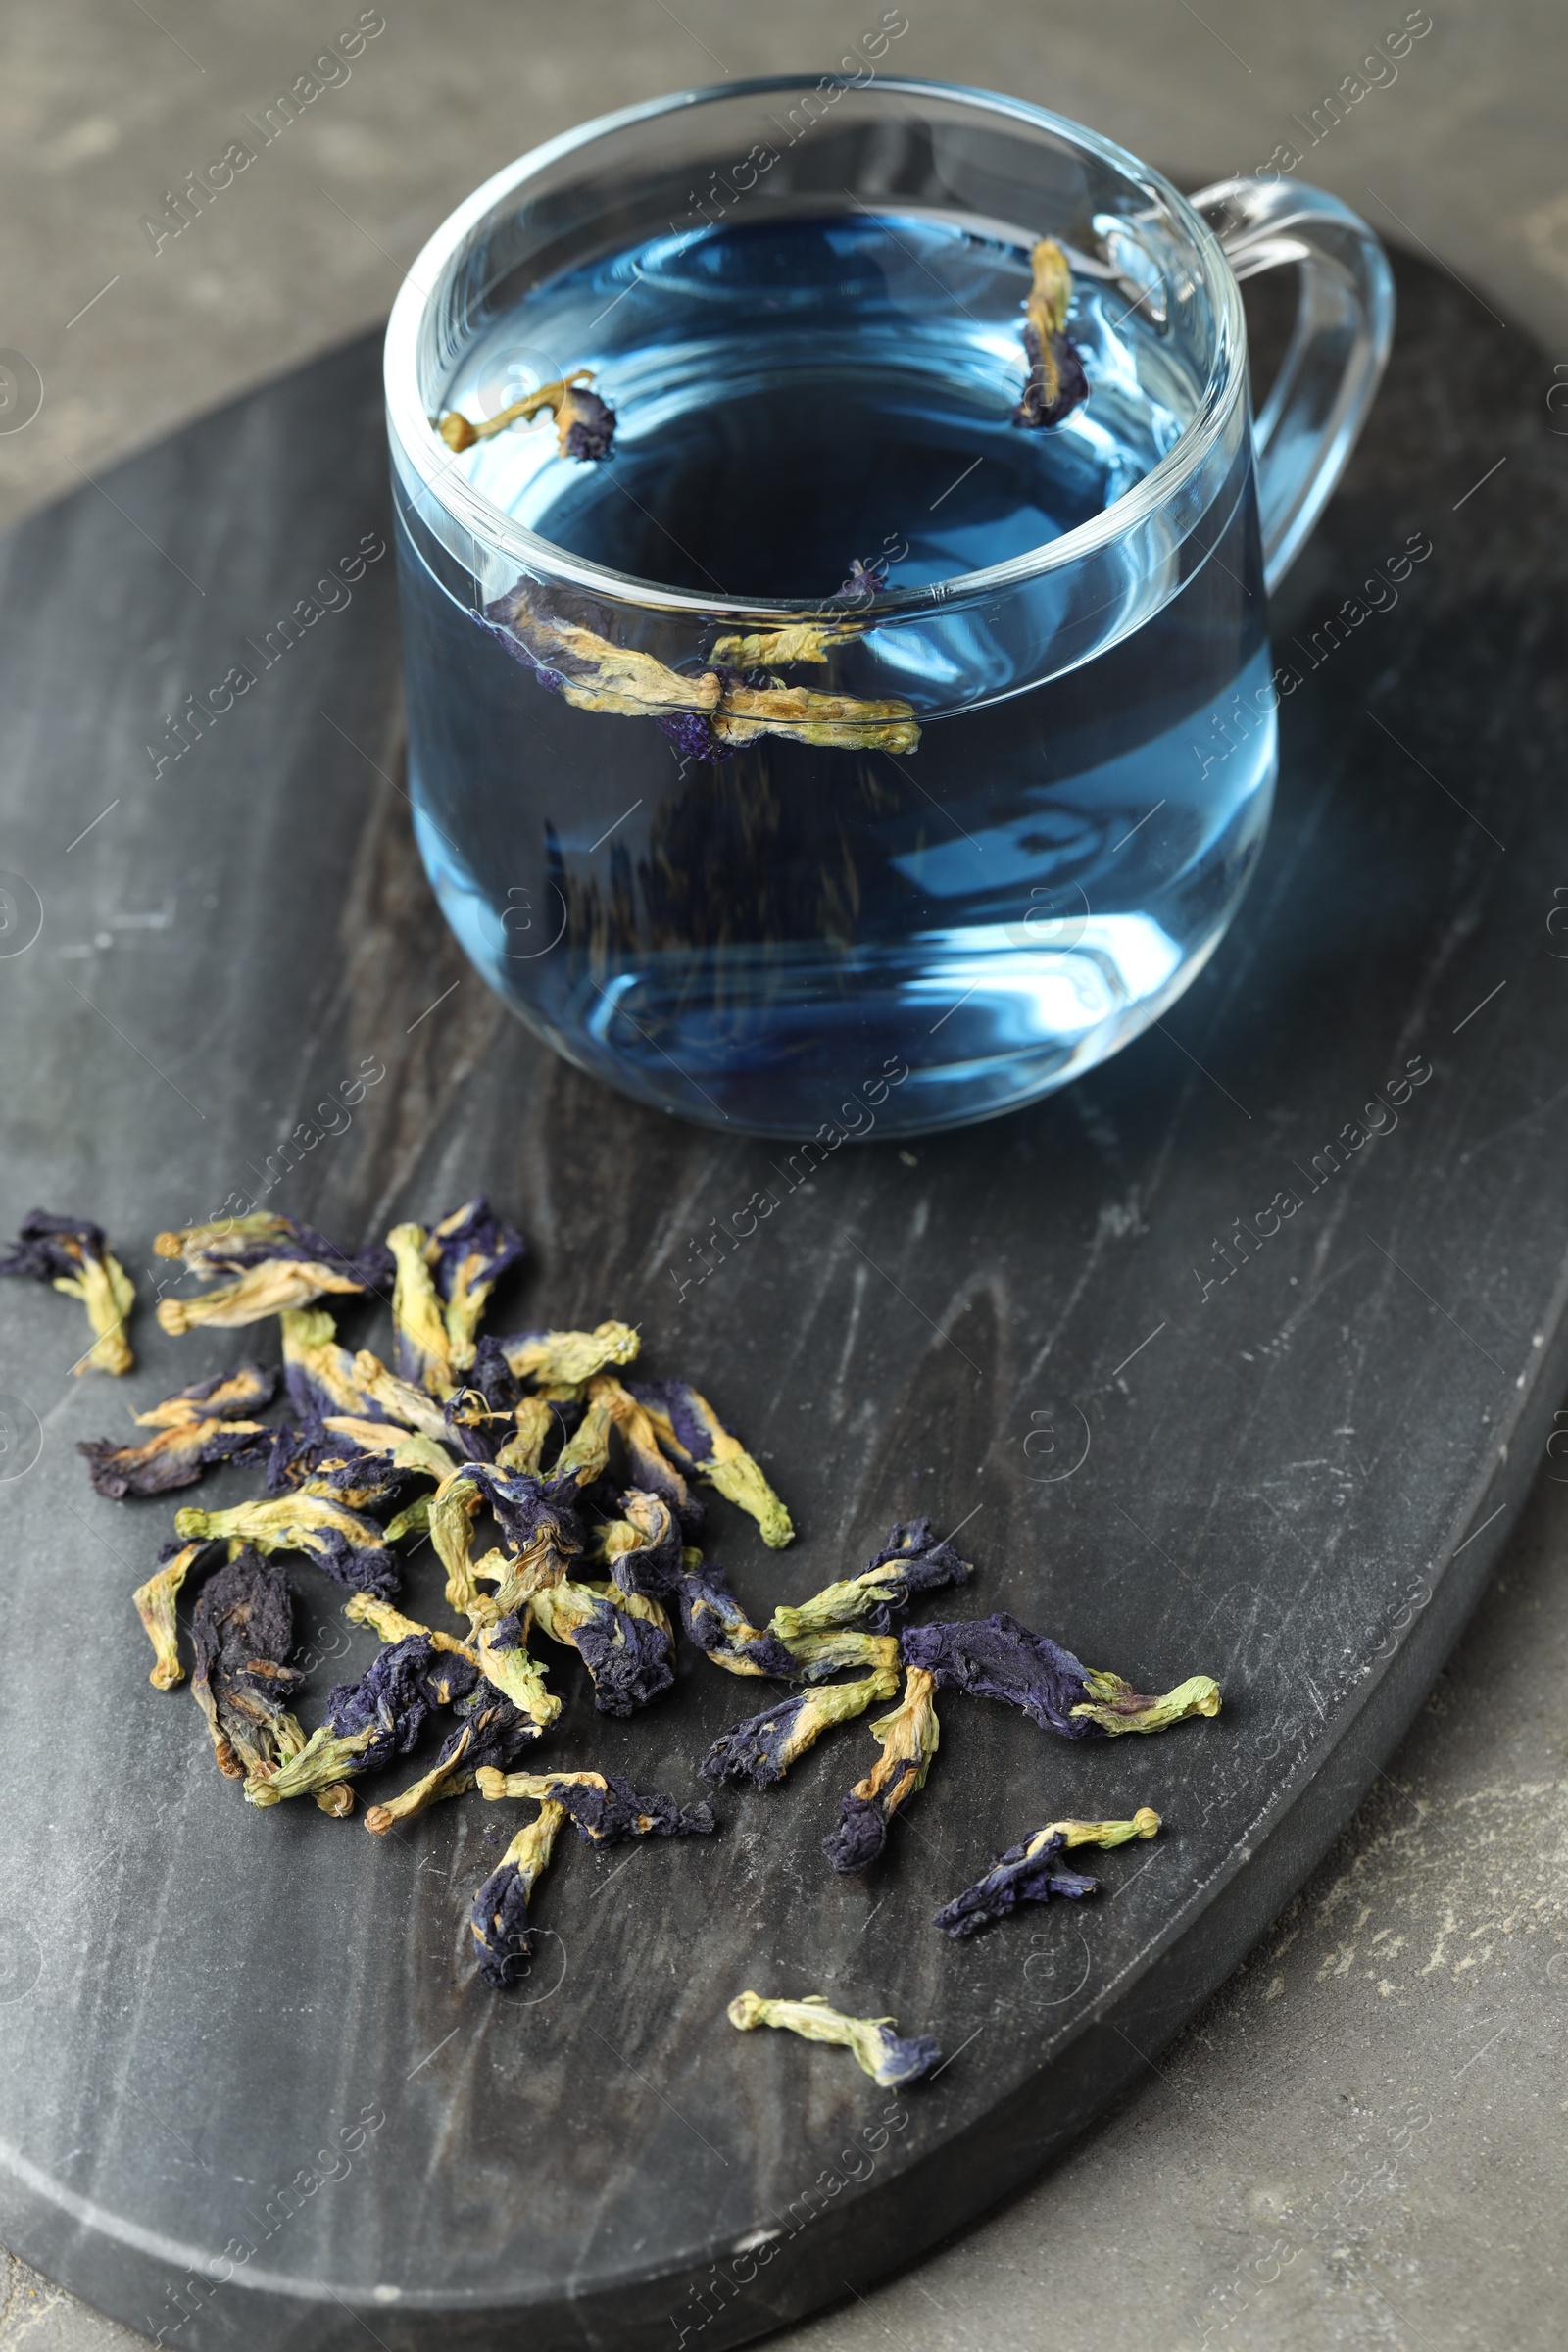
[1029, 1873]
[909, 1737]
[492, 1375]
[624, 1642]
[72, 1255]
[468, 1251]
[909, 1564]
[692, 1434]
[499, 1918]
[348, 1547]
[539, 1525]
[193, 1430]
[890, 2060]
[605, 1807]
[275, 1262]
[651, 1471]
[715, 1620]
[764, 1747]
[372, 1722]
[997, 1657]
[1057, 382]
[644, 1548]
[155, 1607]
[490, 1730]
[320, 1375]
[243, 1629]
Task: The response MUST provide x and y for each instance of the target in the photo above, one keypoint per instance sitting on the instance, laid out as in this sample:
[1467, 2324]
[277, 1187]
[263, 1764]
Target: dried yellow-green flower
[399, 1399]
[567, 1358]
[72, 1255]
[762, 1748]
[349, 1547]
[155, 1607]
[499, 1919]
[524, 1451]
[274, 1261]
[910, 1738]
[423, 1348]
[692, 1434]
[889, 2058]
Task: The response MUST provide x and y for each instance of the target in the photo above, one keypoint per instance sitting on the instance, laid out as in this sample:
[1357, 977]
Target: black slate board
[1297, 1482]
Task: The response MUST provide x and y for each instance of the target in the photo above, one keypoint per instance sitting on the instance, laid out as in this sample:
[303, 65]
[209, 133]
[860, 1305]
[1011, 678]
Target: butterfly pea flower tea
[813, 595]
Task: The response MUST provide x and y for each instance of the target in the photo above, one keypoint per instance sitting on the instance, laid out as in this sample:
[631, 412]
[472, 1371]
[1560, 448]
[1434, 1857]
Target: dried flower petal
[155, 1607]
[243, 1629]
[909, 1737]
[399, 1399]
[1057, 382]
[764, 1747]
[424, 1349]
[604, 1808]
[692, 1434]
[568, 1358]
[524, 1451]
[889, 2058]
[643, 1549]
[629, 1658]
[1028, 1873]
[372, 1722]
[652, 1472]
[499, 1919]
[997, 1657]
[278, 1263]
[349, 1547]
[715, 1620]
[909, 1564]
[72, 1255]
[181, 1450]
[319, 1374]
[469, 1250]
[491, 1731]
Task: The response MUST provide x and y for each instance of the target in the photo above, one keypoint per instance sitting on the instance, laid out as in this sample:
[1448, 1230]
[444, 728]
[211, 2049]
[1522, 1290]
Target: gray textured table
[1294, 1479]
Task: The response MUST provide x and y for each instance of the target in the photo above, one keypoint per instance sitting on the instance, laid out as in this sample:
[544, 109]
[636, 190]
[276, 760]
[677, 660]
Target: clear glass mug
[1046, 765]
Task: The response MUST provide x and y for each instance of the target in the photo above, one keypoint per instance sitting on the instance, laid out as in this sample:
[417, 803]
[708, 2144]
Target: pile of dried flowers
[590, 1482]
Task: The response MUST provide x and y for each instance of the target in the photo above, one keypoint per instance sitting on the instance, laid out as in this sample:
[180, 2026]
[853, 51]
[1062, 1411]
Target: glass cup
[912, 852]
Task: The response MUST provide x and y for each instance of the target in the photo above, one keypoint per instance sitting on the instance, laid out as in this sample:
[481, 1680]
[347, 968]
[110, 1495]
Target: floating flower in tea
[1056, 381]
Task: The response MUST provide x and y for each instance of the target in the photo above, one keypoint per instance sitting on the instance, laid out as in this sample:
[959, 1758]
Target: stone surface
[1292, 1476]
[1313, 2085]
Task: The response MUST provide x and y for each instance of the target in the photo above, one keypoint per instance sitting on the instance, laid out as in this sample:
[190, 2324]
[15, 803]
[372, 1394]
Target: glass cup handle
[1337, 353]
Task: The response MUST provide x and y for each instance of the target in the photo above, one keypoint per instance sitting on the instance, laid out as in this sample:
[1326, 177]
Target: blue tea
[818, 411]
